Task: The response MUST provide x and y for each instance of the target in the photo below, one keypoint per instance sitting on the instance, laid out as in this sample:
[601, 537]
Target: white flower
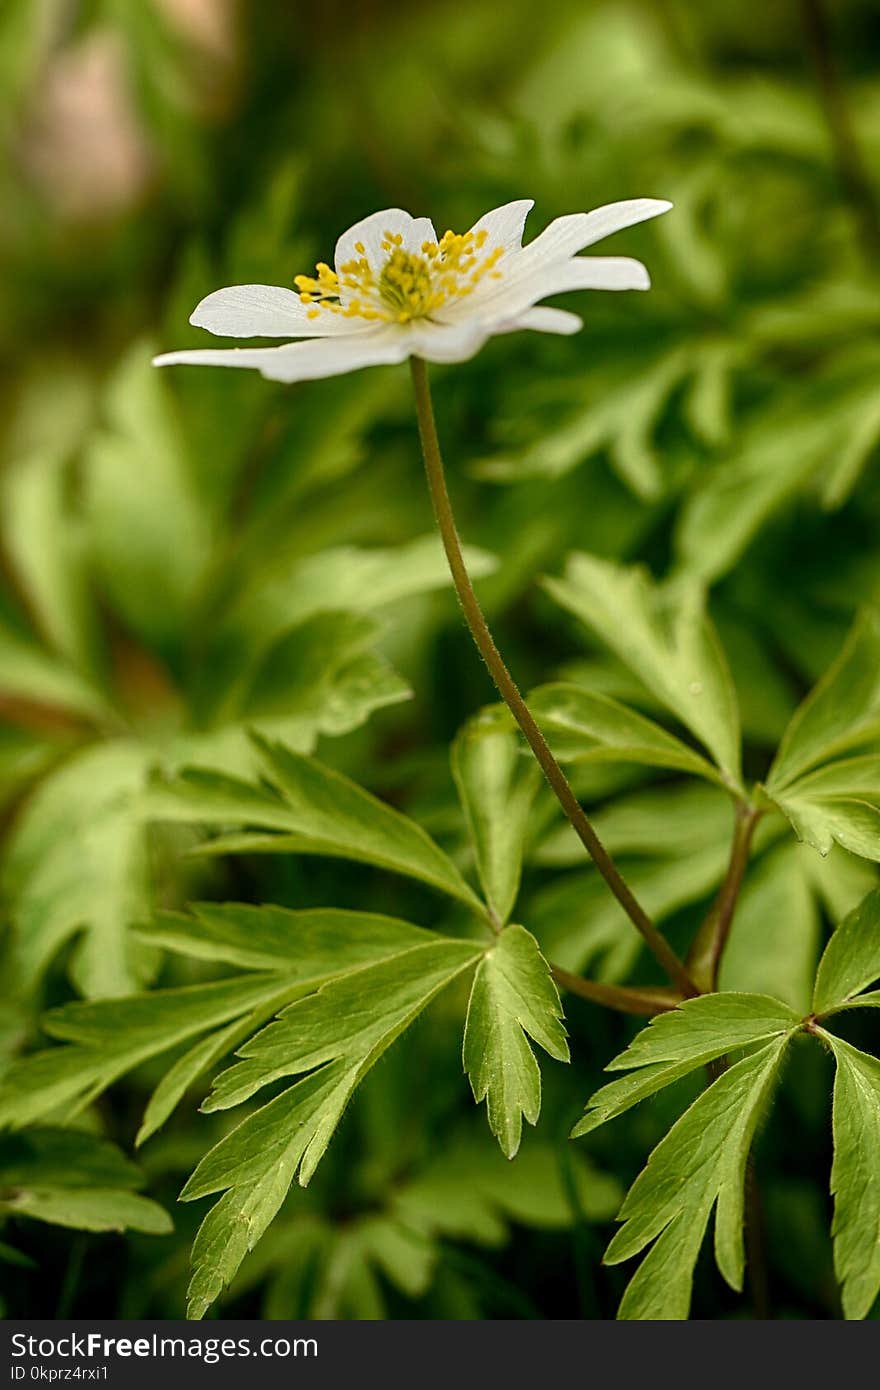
[399, 291]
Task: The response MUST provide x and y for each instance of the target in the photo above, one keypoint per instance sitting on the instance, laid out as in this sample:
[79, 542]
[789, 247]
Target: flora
[245, 876]
[399, 291]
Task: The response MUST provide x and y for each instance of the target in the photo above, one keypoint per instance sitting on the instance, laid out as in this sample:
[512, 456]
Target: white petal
[596, 273]
[568, 235]
[512, 298]
[505, 225]
[303, 361]
[534, 272]
[544, 320]
[447, 342]
[264, 311]
[370, 232]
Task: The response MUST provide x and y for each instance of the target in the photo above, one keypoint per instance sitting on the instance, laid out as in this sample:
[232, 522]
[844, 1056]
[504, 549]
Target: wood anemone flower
[399, 291]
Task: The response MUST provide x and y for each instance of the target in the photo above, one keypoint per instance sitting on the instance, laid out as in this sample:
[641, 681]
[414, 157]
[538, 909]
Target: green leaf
[621, 414]
[774, 942]
[68, 1178]
[194, 1063]
[10, 1256]
[666, 639]
[851, 961]
[345, 1021]
[348, 578]
[309, 947]
[823, 428]
[837, 803]
[700, 1162]
[149, 531]
[30, 673]
[496, 787]
[76, 865]
[336, 1036]
[513, 995]
[325, 812]
[43, 542]
[583, 727]
[321, 677]
[470, 1191]
[677, 1043]
[291, 953]
[672, 841]
[111, 1036]
[309, 944]
[94, 1210]
[855, 1177]
[840, 712]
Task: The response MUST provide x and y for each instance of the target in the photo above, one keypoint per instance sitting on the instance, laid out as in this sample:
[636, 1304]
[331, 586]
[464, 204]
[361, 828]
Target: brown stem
[704, 958]
[851, 171]
[644, 1002]
[509, 692]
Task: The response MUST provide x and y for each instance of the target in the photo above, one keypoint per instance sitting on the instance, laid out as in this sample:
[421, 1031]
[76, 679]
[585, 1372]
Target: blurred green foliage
[189, 558]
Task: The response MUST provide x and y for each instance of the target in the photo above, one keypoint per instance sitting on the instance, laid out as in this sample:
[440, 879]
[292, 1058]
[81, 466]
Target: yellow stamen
[408, 285]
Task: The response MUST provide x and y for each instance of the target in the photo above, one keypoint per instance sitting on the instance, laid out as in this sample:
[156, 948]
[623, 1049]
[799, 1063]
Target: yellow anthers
[408, 285]
[319, 288]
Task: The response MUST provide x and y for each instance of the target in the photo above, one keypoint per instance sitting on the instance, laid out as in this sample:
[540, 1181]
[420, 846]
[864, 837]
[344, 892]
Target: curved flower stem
[704, 958]
[511, 696]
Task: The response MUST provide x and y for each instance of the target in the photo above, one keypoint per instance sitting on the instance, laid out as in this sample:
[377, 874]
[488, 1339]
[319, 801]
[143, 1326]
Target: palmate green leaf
[336, 1036]
[109, 1037]
[665, 637]
[69, 1178]
[290, 954]
[677, 1043]
[496, 787]
[513, 995]
[840, 712]
[322, 812]
[700, 1164]
[855, 1177]
[309, 946]
[76, 866]
[838, 803]
[584, 727]
[321, 677]
[851, 961]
